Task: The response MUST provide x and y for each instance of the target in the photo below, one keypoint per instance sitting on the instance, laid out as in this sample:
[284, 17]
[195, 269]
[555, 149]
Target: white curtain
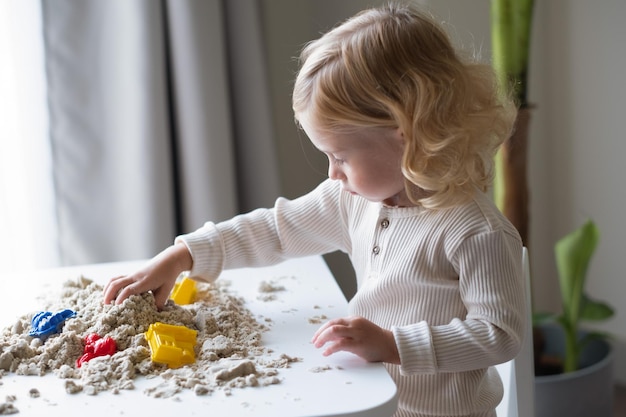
[27, 218]
[222, 109]
[109, 128]
[150, 125]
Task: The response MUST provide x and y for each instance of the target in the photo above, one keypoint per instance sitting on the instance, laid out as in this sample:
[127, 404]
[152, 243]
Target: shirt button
[376, 250]
[384, 223]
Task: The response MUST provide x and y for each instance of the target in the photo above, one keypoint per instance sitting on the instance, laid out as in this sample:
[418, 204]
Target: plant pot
[587, 392]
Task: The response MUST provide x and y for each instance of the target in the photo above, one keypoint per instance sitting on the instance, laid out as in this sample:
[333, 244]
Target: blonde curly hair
[394, 67]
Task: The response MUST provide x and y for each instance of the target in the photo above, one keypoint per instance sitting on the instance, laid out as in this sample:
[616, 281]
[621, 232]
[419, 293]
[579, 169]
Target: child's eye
[337, 161]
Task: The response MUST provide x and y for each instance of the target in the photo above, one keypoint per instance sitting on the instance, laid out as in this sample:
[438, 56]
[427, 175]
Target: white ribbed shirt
[447, 282]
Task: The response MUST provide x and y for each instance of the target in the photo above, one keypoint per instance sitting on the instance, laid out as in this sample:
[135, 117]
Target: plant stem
[510, 37]
[570, 362]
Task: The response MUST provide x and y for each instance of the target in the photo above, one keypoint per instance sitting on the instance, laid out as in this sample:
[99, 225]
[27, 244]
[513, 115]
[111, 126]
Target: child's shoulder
[480, 215]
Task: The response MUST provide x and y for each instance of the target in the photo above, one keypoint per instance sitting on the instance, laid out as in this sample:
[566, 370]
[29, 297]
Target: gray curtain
[159, 121]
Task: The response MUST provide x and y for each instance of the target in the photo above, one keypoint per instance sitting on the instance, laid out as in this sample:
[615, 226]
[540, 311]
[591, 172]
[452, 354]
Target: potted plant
[573, 366]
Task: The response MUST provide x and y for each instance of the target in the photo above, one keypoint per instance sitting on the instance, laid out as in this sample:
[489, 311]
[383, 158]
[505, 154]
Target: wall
[577, 140]
[585, 67]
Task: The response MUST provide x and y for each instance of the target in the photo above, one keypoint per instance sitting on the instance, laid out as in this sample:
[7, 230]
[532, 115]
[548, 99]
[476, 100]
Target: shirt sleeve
[491, 285]
[309, 225]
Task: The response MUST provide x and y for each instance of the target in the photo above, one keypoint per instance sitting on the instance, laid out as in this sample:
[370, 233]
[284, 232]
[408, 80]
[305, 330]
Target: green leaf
[541, 318]
[573, 254]
[595, 310]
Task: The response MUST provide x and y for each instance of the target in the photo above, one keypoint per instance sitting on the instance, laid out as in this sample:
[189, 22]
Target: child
[410, 131]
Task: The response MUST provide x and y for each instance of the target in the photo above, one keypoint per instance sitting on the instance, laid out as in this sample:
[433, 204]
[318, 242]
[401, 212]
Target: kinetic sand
[228, 351]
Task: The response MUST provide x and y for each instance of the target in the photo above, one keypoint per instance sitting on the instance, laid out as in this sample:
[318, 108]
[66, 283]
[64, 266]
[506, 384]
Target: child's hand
[158, 276]
[359, 336]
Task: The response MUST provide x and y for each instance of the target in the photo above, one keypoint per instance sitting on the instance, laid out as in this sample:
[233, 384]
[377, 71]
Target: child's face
[366, 162]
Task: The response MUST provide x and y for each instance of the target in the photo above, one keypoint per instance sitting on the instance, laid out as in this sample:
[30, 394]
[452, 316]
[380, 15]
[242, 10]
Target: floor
[619, 402]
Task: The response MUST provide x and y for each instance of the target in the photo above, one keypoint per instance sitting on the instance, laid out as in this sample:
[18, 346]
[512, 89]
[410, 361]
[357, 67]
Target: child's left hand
[359, 336]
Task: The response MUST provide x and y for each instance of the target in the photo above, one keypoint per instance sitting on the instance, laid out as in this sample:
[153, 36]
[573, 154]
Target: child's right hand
[158, 275]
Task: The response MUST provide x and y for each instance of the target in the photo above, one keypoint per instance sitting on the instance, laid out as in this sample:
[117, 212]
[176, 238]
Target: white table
[352, 387]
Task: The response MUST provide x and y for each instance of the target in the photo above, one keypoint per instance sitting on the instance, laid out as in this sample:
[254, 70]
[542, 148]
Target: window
[27, 218]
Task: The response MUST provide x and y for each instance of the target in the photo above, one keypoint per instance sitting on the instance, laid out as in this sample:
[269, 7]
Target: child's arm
[158, 276]
[258, 238]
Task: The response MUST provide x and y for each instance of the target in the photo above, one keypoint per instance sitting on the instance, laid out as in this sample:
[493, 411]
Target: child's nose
[334, 172]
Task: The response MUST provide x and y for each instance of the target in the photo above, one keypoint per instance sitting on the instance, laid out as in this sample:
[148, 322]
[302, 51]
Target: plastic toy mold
[46, 323]
[184, 291]
[171, 345]
[96, 346]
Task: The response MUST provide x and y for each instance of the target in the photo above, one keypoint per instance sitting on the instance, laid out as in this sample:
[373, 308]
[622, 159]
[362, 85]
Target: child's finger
[125, 287]
[325, 326]
[113, 287]
[134, 288]
[112, 281]
[161, 295]
[342, 344]
[333, 333]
